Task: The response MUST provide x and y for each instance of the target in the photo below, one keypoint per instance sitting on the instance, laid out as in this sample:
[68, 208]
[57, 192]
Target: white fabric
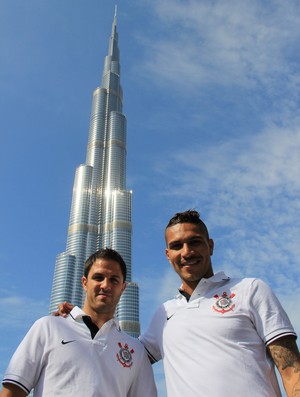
[213, 347]
[58, 357]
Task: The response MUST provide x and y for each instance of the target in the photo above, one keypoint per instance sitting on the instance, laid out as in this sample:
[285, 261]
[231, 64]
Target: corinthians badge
[125, 355]
[224, 303]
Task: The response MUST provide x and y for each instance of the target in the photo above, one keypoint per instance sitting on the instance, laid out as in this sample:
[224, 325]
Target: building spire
[114, 24]
[101, 204]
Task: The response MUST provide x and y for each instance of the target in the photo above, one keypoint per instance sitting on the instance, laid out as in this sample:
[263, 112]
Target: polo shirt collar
[77, 314]
[216, 278]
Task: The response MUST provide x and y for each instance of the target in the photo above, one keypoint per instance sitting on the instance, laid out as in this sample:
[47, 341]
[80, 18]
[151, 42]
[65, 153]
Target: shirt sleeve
[268, 315]
[143, 383]
[152, 338]
[26, 364]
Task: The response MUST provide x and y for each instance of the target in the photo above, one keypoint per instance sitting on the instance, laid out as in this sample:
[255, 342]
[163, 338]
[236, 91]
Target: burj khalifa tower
[101, 204]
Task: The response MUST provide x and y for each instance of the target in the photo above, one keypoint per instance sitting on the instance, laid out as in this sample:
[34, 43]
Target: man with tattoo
[219, 336]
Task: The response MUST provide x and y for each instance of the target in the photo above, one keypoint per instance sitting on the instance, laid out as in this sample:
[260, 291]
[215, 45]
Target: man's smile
[190, 262]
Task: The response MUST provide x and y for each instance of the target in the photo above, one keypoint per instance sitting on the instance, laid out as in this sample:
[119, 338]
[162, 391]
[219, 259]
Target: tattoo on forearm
[285, 354]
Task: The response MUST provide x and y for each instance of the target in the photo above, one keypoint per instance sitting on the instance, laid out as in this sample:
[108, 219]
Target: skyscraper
[101, 205]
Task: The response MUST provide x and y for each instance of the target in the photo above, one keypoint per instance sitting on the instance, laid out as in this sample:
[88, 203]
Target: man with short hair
[219, 336]
[87, 354]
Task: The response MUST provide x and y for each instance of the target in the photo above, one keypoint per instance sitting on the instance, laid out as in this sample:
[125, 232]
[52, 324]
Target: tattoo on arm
[286, 357]
[285, 353]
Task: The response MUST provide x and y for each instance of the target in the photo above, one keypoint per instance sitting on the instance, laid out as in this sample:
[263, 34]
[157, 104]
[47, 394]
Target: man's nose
[186, 250]
[105, 284]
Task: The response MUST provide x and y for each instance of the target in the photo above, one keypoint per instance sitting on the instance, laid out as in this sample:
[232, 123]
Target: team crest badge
[125, 355]
[223, 303]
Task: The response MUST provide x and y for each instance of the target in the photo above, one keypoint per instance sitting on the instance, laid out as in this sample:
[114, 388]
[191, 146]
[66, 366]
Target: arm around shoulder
[10, 390]
[285, 354]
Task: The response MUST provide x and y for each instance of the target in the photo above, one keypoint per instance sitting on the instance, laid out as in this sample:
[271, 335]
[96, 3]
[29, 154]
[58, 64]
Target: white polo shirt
[58, 357]
[215, 344]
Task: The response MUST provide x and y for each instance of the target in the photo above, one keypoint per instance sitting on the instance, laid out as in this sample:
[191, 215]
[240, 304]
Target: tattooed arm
[285, 354]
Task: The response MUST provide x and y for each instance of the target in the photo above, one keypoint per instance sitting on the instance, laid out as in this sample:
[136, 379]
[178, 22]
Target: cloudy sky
[211, 96]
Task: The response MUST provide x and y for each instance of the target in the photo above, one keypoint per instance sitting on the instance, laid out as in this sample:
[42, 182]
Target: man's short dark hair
[105, 253]
[189, 216]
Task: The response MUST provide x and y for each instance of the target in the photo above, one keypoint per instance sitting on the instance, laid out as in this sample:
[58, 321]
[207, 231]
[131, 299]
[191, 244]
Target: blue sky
[211, 96]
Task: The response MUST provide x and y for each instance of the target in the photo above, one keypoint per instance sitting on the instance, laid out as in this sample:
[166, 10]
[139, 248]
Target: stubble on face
[103, 287]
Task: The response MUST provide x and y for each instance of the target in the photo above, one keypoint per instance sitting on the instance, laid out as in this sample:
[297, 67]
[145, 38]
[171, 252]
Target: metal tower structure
[101, 205]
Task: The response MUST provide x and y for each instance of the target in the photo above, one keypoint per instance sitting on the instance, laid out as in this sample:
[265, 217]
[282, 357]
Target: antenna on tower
[116, 7]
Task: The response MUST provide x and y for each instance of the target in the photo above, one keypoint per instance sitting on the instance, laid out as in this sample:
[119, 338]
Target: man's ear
[167, 254]
[124, 286]
[211, 246]
[83, 282]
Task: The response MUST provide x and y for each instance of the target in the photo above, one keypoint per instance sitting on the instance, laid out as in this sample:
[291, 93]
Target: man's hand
[63, 309]
[285, 354]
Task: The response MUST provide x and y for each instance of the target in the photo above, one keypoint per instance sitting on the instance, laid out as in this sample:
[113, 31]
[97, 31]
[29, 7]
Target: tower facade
[101, 205]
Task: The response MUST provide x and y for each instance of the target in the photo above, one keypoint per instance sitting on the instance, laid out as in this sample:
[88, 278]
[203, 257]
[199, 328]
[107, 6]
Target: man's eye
[196, 242]
[115, 281]
[98, 278]
[175, 247]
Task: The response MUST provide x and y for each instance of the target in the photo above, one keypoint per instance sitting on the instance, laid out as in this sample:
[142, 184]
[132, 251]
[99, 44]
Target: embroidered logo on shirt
[224, 303]
[64, 342]
[125, 355]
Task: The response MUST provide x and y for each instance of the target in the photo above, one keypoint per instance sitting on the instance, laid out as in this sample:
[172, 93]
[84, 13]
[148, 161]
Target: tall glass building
[101, 205]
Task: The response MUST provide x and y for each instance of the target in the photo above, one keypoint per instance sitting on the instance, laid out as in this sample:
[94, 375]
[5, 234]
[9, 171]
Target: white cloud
[289, 301]
[156, 289]
[234, 42]
[168, 285]
[247, 167]
[19, 312]
[248, 190]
